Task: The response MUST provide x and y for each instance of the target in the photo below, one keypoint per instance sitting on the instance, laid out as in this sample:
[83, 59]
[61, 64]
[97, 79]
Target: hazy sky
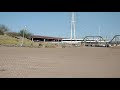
[58, 23]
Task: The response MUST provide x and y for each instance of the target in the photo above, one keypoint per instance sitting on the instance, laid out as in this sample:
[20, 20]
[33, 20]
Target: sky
[57, 24]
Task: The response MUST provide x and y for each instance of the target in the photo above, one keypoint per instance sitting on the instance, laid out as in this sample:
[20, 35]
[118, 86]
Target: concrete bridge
[38, 38]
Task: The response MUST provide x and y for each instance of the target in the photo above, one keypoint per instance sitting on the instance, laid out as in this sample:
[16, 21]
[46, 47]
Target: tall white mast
[71, 30]
[73, 26]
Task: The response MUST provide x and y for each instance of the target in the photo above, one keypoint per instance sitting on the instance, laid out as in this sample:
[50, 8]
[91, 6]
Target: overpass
[38, 38]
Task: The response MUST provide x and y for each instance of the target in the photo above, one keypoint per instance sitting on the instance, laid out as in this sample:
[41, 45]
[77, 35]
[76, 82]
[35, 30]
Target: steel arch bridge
[115, 40]
[100, 38]
[94, 41]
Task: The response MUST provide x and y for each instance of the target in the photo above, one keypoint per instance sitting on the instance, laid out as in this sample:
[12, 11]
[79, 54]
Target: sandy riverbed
[59, 62]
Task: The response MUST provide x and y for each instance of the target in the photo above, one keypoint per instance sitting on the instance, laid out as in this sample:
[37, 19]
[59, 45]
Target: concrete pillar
[44, 40]
[32, 39]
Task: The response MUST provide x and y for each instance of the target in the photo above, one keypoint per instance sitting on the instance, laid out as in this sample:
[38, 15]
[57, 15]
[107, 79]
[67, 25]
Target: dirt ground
[83, 62]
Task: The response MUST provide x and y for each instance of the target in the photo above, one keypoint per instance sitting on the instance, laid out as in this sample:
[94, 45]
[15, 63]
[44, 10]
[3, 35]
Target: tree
[3, 29]
[26, 33]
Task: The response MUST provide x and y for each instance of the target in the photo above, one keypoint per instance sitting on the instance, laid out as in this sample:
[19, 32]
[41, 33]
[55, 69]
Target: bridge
[115, 41]
[96, 41]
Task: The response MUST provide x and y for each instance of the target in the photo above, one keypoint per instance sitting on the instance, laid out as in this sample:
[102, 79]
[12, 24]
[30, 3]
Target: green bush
[3, 29]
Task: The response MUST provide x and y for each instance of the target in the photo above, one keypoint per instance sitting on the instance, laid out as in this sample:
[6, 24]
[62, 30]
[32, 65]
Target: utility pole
[111, 35]
[99, 30]
[23, 36]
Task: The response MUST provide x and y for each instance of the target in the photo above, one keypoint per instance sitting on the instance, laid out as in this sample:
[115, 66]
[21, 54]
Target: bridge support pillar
[44, 40]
